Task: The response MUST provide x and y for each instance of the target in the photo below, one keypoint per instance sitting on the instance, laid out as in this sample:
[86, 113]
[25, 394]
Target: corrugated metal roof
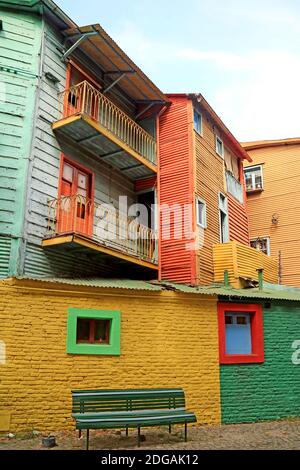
[269, 292]
[100, 283]
[270, 143]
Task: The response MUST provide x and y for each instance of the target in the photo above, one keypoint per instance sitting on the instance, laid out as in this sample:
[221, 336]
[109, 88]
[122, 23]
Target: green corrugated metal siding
[20, 44]
[5, 246]
[101, 283]
[270, 291]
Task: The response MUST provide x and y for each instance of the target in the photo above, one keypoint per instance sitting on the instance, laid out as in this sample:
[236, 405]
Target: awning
[100, 47]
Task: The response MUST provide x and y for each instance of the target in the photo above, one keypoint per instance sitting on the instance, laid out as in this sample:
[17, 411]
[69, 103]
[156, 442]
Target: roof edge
[256, 144]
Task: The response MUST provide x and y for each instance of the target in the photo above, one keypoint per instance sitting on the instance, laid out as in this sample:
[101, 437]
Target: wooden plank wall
[281, 196]
[210, 181]
[20, 42]
[44, 172]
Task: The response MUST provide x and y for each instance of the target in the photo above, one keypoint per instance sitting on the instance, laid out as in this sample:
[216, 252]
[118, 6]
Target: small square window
[219, 147]
[201, 212]
[198, 122]
[240, 333]
[93, 332]
[261, 244]
[253, 178]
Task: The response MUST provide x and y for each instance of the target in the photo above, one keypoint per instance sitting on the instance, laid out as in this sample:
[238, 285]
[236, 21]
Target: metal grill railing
[103, 224]
[85, 99]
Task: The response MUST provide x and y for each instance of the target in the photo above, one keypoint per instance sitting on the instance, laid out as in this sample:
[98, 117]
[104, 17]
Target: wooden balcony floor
[111, 261]
[107, 147]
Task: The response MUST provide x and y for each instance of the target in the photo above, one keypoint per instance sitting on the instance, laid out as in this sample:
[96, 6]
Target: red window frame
[92, 323]
[257, 334]
[64, 159]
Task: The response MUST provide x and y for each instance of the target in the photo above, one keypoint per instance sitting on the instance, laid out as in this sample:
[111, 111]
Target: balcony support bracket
[109, 87]
[76, 44]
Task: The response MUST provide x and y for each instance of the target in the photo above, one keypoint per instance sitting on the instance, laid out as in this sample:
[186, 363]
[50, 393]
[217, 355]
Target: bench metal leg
[185, 432]
[170, 428]
[126, 432]
[79, 434]
[139, 437]
[87, 439]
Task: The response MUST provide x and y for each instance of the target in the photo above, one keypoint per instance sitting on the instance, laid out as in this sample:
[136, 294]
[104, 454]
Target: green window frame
[113, 348]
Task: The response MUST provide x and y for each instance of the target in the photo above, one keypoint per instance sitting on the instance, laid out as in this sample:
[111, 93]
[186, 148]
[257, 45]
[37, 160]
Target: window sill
[199, 133]
[242, 359]
[254, 191]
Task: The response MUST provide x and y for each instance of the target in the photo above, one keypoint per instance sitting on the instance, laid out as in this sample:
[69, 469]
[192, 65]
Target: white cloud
[257, 94]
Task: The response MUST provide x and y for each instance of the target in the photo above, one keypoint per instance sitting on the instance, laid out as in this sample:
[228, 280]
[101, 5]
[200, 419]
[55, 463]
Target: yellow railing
[85, 99]
[102, 224]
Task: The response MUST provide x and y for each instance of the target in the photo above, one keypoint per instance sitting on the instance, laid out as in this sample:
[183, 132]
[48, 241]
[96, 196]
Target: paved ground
[269, 435]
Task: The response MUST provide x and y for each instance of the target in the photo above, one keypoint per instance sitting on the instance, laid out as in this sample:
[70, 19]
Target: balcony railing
[85, 99]
[103, 225]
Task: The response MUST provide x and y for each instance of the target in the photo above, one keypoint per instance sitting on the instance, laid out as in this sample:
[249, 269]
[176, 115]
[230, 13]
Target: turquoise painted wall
[268, 391]
[20, 46]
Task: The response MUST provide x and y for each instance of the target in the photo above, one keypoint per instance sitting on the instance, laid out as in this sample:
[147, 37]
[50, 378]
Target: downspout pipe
[260, 279]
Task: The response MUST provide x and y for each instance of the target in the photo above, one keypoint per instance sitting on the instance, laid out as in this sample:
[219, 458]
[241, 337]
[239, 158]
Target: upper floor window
[219, 146]
[197, 122]
[201, 212]
[261, 244]
[223, 218]
[254, 178]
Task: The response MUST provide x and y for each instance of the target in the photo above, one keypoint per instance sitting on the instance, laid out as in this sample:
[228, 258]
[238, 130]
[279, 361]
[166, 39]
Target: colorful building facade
[272, 182]
[85, 137]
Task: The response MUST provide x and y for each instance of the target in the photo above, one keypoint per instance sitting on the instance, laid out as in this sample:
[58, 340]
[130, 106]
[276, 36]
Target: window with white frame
[253, 178]
[197, 122]
[261, 244]
[223, 218]
[201, 212]
[219, 146]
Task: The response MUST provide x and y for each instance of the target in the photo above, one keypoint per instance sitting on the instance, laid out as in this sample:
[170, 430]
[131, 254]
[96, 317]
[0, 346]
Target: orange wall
[210, 180]
[190, 166]
[281, 196]
[176, 185]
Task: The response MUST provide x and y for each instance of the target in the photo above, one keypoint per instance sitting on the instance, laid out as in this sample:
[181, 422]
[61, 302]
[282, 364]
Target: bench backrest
[93, 401]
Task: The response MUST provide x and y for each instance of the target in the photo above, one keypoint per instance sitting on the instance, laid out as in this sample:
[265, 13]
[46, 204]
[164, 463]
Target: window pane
[102, 331]
[68, 173]
[253, 178]
[238, 335]
[197, 122]
[83, 330]
[201, 213]
[228, 319]
[260, 244]
[219, 146]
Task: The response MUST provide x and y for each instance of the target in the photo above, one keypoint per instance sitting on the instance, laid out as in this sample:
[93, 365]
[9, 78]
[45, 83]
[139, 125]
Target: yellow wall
[167, 339]
[242, 263]
[281, 196]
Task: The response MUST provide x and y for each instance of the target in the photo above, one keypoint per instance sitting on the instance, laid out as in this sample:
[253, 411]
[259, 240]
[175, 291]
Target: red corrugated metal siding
[144, 184]
[238, 221]
[177, 263]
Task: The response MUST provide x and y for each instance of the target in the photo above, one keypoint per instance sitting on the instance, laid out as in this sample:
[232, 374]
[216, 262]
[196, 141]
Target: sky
[242, 55]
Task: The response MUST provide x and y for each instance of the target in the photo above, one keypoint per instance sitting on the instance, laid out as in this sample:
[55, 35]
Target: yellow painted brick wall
[167, 339]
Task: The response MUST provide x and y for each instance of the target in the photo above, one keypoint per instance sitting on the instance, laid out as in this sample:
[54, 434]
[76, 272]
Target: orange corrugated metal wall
[177, 263]
[145, 184]
[238, 221]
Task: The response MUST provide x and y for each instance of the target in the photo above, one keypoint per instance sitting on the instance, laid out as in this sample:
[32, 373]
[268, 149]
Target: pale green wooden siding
[44, 174]
[20, 42]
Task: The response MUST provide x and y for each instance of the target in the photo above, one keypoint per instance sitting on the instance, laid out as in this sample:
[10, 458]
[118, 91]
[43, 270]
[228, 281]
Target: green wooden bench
[112, 409]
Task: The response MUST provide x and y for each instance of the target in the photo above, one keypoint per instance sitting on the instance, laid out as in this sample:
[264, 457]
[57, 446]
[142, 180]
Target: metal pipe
[260, 279]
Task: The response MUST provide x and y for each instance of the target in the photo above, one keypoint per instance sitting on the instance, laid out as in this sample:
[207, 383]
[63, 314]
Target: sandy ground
[267, 435]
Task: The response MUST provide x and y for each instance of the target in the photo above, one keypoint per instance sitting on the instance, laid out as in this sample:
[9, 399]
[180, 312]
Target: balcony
[81, 225]
[242, 263]
[94, 123]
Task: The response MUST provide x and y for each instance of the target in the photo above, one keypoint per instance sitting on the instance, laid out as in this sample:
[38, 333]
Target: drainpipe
[226, 279]
[260, 279]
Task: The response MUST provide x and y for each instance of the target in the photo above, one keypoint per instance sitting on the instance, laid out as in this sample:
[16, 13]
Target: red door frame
[65, 159]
